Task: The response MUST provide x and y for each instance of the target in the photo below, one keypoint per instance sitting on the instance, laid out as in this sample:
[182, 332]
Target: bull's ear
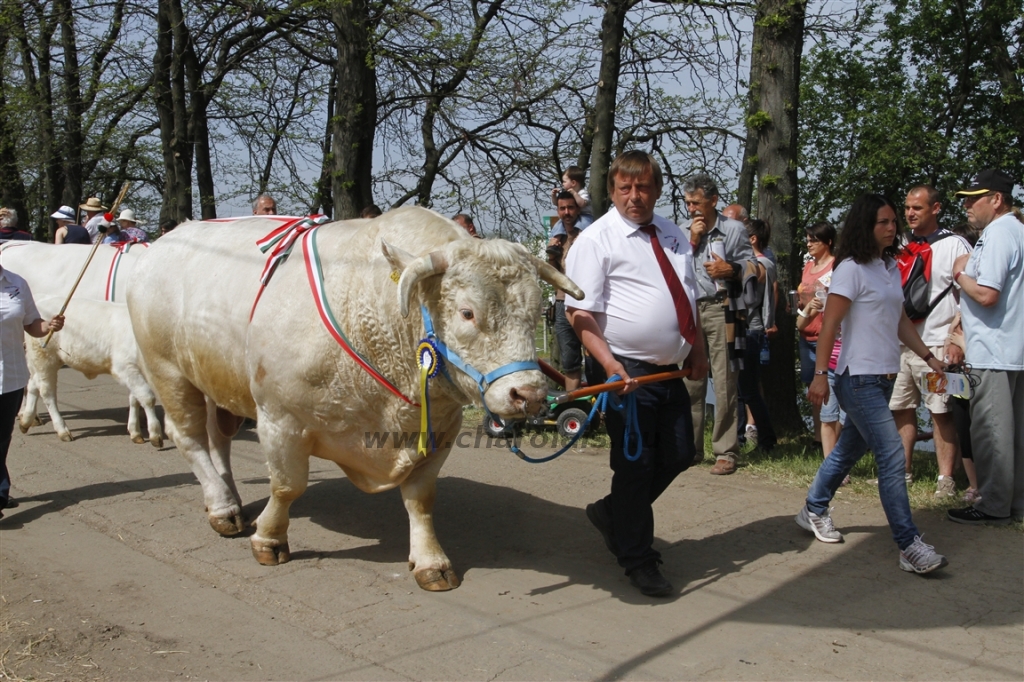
[398, 258]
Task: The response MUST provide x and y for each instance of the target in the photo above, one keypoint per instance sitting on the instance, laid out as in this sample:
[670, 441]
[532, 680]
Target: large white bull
[96, 339]
[190, 303]
[51, 269]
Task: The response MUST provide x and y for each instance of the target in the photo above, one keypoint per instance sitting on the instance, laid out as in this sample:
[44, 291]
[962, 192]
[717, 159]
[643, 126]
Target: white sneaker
[945, 486]
[921, 557]
[821, 526]
[751, 434]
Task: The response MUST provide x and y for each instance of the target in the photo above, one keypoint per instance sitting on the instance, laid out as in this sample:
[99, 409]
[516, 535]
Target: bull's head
[485, 301]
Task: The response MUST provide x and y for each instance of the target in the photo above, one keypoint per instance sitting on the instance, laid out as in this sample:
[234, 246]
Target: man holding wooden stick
[638, 319]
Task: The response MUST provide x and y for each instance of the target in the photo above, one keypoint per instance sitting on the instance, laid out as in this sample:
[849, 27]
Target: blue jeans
[869, 423]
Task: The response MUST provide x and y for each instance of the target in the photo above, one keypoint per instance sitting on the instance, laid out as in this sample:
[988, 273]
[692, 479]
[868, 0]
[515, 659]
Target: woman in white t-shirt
[866, 300]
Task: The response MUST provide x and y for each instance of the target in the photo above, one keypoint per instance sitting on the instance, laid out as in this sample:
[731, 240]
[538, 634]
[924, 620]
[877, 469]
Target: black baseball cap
[988, 180]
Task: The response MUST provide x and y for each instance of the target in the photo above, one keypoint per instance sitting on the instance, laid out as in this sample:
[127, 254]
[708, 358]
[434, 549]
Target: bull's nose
[530, 398]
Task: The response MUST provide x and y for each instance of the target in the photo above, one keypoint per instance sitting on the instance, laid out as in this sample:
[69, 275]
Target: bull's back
[51, 269]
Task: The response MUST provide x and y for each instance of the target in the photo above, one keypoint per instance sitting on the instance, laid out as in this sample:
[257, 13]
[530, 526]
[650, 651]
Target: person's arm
[909, 337]
[59, 235]
[838, 307]
[983, 295]
[956, 346]
[38, 328]
[809, 312]
[586, 327]
[581, 196]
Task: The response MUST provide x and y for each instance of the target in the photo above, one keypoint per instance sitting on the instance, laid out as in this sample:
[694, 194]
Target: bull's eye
[467, 314]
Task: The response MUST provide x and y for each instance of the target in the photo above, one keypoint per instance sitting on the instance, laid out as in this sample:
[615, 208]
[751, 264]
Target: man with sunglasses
[991, 280]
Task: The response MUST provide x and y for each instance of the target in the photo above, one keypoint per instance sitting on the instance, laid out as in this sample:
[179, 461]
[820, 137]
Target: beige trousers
[725, 442]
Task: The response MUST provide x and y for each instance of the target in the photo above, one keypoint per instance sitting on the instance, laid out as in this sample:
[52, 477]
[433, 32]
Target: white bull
[190, 301]
[51, 270]
[96, 339]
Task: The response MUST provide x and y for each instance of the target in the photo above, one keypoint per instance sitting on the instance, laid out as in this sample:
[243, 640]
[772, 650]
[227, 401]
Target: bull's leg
[46, 382]
[185, 414]
[430, 565]
[288, 453]
[221, 427]
[27, 416]
[134, 430]
[142, 395]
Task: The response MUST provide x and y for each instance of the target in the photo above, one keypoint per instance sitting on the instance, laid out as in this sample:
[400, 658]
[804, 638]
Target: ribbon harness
[432, 353]
[120, 249]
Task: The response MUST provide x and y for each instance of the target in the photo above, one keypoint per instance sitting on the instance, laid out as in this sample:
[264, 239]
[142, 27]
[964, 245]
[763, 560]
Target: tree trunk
[74, 141]
[323, 200]
[777, 48]
[355, 113]
[748, 164]
[612, 28]
[162, 64]
[12, 189]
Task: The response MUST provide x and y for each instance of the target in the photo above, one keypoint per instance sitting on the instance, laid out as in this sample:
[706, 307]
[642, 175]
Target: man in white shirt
[638, 318]
[991, 282]
[922, 210]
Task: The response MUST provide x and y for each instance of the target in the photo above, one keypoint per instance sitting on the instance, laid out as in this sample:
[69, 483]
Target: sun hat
[128, 215]
[92, 204]
[989, 180]
[64, 213]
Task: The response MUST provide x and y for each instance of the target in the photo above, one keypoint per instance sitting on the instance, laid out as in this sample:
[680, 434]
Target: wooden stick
[113, 207]
[552, 373]
[619, 385]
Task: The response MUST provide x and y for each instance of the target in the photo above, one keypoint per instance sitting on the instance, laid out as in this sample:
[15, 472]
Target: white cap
[64, 213]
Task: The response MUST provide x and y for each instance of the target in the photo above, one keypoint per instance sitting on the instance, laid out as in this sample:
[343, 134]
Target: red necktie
[684, 314]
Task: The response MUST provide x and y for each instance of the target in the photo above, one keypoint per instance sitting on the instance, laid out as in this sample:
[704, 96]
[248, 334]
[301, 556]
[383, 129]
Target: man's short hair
[168, 225]
[934, 196]
[371, 211]
[256, 202]
[703, 182]
[576, 174]
[459, 217]
[565, 194]
[632, 164]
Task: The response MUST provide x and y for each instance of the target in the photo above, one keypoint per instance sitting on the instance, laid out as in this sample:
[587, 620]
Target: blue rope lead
[603, 402]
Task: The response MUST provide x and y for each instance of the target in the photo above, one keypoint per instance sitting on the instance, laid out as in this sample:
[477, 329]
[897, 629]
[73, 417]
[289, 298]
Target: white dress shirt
[613, 262]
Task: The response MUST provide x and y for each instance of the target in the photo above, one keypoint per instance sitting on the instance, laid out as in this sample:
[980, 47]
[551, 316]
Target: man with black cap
[991, 280]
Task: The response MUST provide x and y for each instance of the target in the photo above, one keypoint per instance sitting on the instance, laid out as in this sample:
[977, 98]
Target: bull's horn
[556, 279]
[434, 263]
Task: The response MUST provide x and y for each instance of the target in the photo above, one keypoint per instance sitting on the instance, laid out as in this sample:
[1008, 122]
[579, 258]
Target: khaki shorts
[905, 392]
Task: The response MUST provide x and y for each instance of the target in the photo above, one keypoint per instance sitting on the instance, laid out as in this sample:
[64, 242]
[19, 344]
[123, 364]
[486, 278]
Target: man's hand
[615, 367]
[771, 331]
[56, 323]
[961, 262]
[719, 268]
[697, 228]
[697, 362]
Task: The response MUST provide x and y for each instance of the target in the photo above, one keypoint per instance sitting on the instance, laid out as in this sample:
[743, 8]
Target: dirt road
[108, 570]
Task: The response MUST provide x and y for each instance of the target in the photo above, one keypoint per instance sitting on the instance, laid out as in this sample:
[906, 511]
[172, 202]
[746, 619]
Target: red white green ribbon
[315, 275]
[119, 251]
[279, 243]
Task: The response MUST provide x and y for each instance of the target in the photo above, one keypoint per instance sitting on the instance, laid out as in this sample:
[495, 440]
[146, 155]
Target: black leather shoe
[11, 503]
[597, 512]
[649, 580]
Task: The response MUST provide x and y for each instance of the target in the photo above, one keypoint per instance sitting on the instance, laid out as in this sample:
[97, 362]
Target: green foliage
[920, 102]
[759, 119]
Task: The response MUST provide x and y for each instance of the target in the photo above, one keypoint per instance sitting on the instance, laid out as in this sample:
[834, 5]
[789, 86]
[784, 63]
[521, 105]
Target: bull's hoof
[66, 436]
[24, 427]
[157, 442]
[138, 439]
[270, 554]
[228, 526]
[436, 580]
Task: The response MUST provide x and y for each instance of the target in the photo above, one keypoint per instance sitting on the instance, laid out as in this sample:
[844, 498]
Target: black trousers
[666, 427]
[10, 403]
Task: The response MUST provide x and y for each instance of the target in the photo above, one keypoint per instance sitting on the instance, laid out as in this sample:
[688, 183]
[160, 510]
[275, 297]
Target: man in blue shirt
[991, 280]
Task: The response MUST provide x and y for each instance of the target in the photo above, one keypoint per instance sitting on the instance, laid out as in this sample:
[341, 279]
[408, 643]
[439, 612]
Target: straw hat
[128, 215]
[93, 204]
[64, 213]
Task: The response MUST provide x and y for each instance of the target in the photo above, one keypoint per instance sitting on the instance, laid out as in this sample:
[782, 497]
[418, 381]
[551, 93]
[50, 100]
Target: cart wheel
[571, 421]
[496, 428]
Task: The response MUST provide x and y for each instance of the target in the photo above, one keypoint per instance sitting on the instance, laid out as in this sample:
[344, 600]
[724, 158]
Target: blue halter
[483, 381]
